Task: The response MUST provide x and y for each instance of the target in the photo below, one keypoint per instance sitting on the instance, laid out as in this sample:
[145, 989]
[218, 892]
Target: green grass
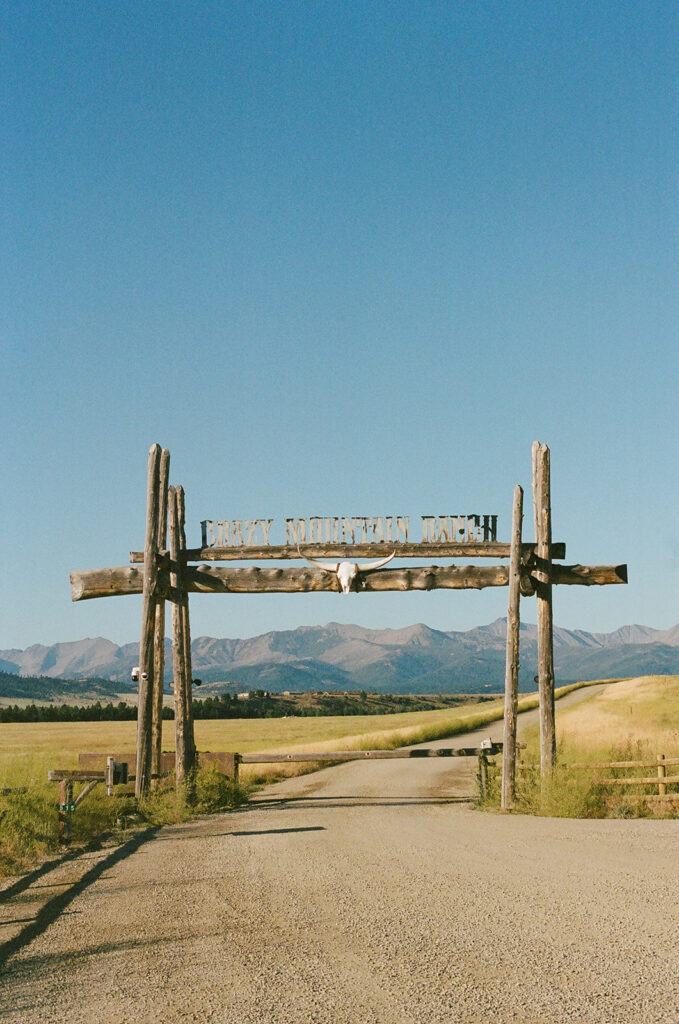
[29, 819]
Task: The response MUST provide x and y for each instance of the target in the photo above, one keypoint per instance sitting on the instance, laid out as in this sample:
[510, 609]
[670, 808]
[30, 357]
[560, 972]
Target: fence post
[65, 810]
[662, 771]
[190, 764]
[184, 759]
[483, 775]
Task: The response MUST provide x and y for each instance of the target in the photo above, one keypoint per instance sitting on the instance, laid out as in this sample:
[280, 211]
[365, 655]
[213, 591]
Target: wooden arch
[164, 572]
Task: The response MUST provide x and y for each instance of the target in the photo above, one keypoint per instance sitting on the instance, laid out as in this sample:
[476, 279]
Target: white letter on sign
[295, 531]
[427, 529]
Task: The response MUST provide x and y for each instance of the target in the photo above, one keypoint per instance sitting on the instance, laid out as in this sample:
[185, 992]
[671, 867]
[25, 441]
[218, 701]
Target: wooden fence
[626, 776]
[114, 774]
[121, 768]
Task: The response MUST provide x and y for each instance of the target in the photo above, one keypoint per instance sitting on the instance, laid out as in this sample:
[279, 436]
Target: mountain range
[416, 659]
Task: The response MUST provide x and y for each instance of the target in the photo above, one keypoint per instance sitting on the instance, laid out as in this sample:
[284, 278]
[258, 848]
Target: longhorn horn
[326, 566]
[376, 565]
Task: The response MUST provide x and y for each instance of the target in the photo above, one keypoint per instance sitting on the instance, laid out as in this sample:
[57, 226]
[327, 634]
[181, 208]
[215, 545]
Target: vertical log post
[65, 811]
[483, 775]
[190, 741]
[159, 629]
[148, 620]
[181, 727]
[545, 625]
[512, 658]
[662, 774]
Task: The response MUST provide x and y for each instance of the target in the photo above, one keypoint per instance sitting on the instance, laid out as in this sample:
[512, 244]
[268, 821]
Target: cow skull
[347, 572]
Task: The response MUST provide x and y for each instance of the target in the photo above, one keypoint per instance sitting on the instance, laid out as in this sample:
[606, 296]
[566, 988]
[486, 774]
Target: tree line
[257, 704]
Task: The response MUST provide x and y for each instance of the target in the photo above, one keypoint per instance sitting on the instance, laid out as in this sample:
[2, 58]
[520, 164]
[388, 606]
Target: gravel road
[364, 893]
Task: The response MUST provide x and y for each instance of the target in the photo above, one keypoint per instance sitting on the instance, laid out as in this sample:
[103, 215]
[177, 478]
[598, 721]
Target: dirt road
[365, 893]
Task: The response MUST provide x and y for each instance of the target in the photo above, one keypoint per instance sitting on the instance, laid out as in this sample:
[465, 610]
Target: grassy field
[633, 720]
[635, 713]
[29, 750]
[642, 711]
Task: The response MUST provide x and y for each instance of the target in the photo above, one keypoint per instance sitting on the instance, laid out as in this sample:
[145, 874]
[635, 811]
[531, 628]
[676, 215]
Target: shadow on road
[279, 831]
[26, 881]
[56, 906]
[52, 961]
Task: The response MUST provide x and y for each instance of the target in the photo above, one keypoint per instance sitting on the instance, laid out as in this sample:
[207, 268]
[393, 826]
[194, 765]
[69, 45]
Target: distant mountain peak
[413, 658]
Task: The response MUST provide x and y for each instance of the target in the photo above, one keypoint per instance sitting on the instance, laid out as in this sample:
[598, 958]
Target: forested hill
[258, 704]
[46, 688]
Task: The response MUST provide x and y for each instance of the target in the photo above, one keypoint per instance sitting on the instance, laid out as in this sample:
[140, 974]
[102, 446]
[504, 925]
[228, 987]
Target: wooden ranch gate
[166, 572]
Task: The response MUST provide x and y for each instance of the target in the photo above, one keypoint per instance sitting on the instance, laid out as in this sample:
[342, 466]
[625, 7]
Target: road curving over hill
[364, 893]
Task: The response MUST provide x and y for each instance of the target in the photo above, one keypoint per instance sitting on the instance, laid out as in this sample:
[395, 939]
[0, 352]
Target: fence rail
[486, 750]
[375, 755]
[661, 779]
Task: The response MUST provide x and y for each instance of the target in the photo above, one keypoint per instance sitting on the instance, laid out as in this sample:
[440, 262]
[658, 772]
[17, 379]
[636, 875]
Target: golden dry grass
[633, 720]
[628, 719]
[640, 712]
[28, 750]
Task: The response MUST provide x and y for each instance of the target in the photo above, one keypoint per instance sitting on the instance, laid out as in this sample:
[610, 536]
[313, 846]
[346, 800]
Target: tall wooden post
[182, 725]
[543, 576]
[186, 629]
[508, 795]
[159, 627]
[148, 619]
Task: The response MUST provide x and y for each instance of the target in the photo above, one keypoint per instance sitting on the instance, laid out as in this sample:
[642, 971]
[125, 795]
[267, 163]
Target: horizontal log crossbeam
[370, 755]
[75, 775]
[210, 579]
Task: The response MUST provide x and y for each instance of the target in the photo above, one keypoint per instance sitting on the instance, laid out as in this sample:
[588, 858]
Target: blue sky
[341, 259]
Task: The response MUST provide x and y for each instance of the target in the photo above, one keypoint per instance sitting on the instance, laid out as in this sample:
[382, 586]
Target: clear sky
[341, 259]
